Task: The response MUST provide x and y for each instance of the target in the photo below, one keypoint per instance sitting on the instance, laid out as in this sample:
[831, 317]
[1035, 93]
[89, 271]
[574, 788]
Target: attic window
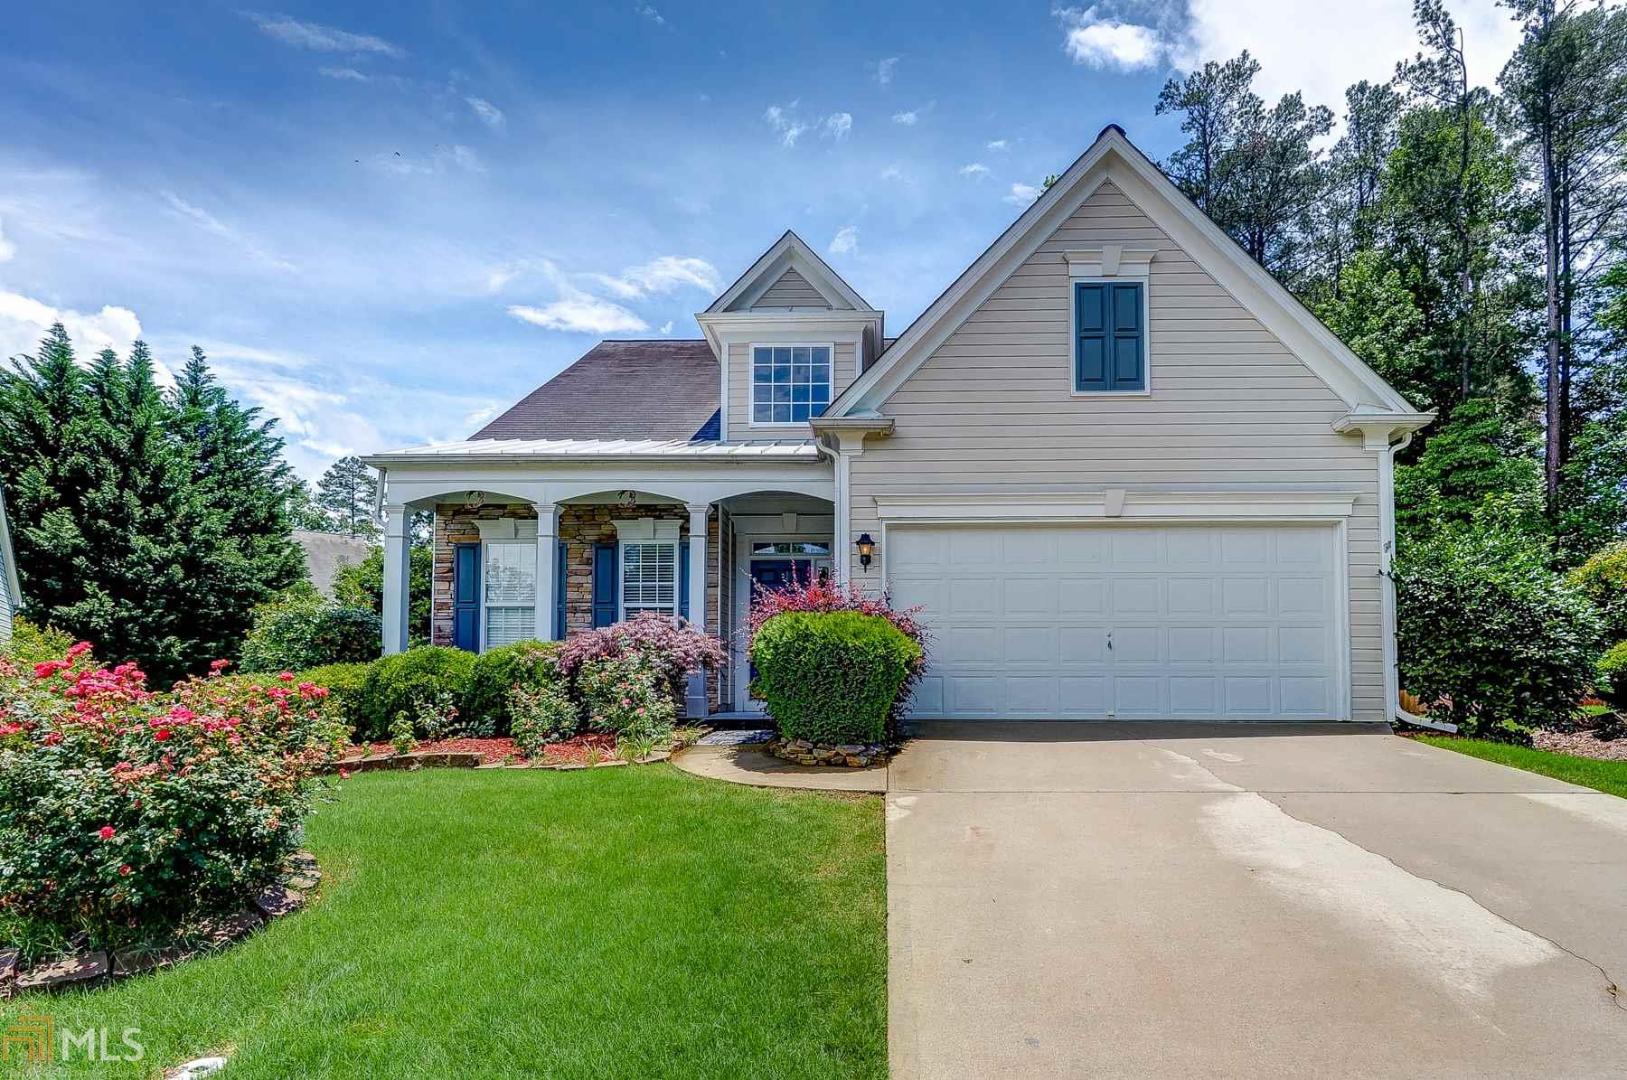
[789, 383]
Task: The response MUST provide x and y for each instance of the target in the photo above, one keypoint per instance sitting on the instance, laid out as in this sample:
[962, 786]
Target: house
[327, 553]
[1122, 470]
[11, 592]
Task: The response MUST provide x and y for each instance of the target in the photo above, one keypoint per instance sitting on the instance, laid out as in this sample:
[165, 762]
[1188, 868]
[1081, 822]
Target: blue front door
[772, 575]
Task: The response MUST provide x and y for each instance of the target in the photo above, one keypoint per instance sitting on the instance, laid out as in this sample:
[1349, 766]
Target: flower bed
[495, 751]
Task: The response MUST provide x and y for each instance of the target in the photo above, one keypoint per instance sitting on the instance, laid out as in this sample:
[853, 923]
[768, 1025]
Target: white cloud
[343, 73]
[211, 224]
[649, 12]
[8, 250]
[666, 329]
[782, 120]
[845, 241]
[892, 172]
[1022, 194]
[1316, 55]
[908, 119]
[977, 170]
[310, 35]
[837, 125]
[24, 321]
[885, 69]
[995, 146]
[1101, 41]
[663, 274]
[489, 114]
[580, 314]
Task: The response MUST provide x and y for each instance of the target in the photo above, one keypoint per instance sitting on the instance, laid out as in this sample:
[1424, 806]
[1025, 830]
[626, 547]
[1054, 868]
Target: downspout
[841, 511]
[1386, 558]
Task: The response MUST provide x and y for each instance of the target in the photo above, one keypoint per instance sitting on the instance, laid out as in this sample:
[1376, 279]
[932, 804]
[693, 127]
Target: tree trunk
[1554, 416]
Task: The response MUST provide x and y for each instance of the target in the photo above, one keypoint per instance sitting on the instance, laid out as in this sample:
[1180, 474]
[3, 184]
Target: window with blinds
[649, 578]
[510, 591]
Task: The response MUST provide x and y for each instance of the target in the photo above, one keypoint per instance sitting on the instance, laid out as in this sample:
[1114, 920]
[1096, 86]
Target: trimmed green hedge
[1603, 580]
[305, 632]
[488, 703]
[831, 677]
[401, 683]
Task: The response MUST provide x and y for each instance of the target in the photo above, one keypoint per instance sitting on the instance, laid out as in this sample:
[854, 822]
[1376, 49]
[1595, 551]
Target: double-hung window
[649, 567]
[511, 591]
[789, 383]
[1110, 337]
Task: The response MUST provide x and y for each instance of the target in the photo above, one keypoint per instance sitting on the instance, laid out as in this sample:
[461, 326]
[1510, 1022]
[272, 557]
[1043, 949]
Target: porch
[559, 547]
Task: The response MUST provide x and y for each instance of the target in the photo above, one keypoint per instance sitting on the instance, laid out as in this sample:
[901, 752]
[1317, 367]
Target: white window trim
[646, 531]
[1110, 264]
[751, 384]
[527, 542]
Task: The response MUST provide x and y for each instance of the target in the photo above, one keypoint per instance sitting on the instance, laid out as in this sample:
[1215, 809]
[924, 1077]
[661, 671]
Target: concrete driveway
[1243, 900]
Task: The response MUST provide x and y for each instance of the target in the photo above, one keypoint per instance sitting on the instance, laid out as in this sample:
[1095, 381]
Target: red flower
[78, 649]
[219, 665]
[344, 774]
[124, 871]
[105, 832]
[161, 734]
[287, 676]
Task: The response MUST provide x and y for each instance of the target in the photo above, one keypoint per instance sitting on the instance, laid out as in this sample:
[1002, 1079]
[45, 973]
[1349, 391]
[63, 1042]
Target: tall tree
[348, 491]
[1212, 102]
[1567, 85]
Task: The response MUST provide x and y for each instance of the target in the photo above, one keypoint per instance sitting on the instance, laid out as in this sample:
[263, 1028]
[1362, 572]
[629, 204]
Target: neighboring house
[326, 552]
[1123, 471]
[11, 593]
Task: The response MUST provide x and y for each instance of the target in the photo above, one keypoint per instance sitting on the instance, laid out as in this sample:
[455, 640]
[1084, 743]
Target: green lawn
[632, 922]
[1606, 776]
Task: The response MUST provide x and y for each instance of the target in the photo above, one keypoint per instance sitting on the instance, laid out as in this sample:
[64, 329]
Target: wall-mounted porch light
[867, 549]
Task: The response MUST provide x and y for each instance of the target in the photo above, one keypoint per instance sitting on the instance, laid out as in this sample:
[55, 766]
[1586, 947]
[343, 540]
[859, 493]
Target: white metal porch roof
[578, 449]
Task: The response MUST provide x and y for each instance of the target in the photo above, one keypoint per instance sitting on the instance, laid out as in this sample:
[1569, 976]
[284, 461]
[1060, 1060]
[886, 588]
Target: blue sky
[386, 222]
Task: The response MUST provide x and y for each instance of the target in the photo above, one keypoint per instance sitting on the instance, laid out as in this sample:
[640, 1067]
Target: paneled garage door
[1124, 622]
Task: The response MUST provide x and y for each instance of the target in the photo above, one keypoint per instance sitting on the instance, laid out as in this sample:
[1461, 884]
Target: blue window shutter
[466, 596]
[1109, 337]
[606, 583]
[561, 575]
[683, 578]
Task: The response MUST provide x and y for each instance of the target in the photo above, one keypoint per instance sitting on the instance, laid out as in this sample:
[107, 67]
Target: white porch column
[696, 701]
[547, 541]
[397, 575]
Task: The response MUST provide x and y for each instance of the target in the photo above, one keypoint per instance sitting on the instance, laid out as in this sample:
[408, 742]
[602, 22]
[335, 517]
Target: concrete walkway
[747, 765]
[1208, 900]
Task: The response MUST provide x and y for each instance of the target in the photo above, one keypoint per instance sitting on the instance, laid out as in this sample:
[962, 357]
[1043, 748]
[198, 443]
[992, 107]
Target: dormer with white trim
[790, 336]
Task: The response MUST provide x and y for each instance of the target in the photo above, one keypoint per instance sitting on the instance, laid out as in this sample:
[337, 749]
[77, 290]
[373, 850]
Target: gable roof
[789, 252]
[1113, 156]
[660, 390]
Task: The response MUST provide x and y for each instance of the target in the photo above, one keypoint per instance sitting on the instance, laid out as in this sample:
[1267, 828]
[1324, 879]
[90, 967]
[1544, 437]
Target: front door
[772, 575]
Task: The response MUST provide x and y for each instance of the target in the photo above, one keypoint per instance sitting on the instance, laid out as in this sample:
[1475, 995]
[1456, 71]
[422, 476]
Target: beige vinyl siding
[792, 290]
[843, 372]
[1230, 409]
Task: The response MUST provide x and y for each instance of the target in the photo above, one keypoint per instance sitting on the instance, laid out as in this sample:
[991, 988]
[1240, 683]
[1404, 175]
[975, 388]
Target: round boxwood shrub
[344, 684]
[831, 677]
[488, 707]
[1488, 636]
[305, 632]
[406, 684]
[1603, 579]
[31, 644]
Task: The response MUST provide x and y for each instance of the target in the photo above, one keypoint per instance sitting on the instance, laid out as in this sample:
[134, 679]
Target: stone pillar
[397, 577]
[547, 547]
[695, 698]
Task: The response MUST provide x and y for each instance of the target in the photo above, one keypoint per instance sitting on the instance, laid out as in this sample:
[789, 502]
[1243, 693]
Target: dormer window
[789, 383]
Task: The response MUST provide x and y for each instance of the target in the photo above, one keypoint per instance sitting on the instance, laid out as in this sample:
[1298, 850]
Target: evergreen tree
[348, 492]
[303, 513]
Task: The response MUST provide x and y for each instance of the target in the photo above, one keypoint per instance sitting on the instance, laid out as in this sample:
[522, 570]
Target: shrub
[31, 644]
[497, 674]
[670, 647]
[344, 684]
[305, 632]
[406, 683]
[628, 697]
[1488, 636]
[832, 677]
[824, 596]
[1603, 580]
[124, 811]
[541, 713]
[362, 585]
[1612, 677]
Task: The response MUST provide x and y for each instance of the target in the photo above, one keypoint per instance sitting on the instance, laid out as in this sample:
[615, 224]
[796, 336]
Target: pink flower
[78, 649]
[218, 666]
[46, 669]
[105, 832]
[344, 774]
[287, 676]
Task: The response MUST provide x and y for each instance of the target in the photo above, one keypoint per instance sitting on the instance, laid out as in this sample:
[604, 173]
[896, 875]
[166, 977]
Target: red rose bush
[124, 810]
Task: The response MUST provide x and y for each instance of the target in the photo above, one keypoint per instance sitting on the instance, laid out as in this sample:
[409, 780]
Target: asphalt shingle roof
[661, 389]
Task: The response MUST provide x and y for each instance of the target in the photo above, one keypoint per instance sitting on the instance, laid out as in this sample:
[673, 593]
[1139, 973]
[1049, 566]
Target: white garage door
[1124, 622]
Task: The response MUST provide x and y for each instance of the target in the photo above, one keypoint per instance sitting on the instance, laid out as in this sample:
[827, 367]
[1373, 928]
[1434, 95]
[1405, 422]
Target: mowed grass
[632, 922]
[1606, 776]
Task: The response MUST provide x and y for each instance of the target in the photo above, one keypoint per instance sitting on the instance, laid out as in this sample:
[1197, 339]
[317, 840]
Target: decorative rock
[847, 755]
[135, 961]
[64, 974]
[8, 971]
[302, 860]
[301, 882]
[227, 929]
[276, 900]
[196, 1069]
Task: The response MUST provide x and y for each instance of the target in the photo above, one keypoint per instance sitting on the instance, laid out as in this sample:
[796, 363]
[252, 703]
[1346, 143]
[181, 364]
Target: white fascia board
[1116, 505]
[790, 250]
[1113, 157]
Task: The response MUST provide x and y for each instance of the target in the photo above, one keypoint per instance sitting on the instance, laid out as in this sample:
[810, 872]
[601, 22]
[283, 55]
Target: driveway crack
[1611, 987]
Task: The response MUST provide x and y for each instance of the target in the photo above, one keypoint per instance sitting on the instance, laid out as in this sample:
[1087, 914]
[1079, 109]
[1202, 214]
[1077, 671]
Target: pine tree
[348, 491]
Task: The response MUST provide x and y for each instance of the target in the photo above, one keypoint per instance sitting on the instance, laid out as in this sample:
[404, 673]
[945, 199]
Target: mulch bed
[1581, 744]
[498, 751]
